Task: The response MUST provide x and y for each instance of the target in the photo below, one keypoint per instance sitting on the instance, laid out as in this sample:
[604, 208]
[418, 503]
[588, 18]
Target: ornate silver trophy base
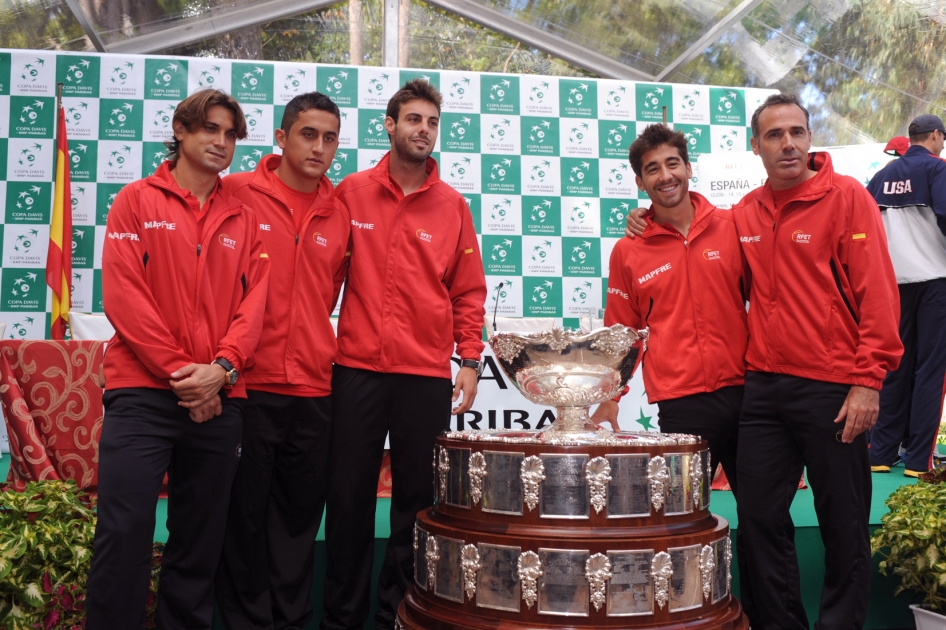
[570, 370]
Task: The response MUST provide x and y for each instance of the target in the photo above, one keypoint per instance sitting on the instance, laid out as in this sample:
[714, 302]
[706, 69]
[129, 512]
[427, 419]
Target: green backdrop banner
[542, 161]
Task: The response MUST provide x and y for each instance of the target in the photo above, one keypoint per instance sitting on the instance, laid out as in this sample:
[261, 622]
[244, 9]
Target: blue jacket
[916, 179]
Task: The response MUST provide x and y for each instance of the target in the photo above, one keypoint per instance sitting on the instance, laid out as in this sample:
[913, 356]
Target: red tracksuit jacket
[175, 296]
[297, 345]
[691, 292]
[824, 303]
[415, 283]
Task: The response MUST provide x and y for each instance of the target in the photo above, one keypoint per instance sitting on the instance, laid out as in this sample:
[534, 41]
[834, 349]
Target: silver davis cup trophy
[570, 370]
[573, 526]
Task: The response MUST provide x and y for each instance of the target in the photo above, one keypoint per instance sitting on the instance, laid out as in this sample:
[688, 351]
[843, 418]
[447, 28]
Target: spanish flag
[59, 257]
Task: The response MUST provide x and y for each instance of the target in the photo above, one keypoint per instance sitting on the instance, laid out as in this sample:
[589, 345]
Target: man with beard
[184, 279]
[415, 290]
[265, 573]
[822, 335]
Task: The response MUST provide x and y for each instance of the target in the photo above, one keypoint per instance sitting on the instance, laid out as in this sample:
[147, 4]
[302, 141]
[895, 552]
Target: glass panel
[847, 61]
[43, 24]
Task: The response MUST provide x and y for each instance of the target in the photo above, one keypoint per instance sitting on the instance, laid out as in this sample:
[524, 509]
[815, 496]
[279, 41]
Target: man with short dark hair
[415, 290]
[184, 279]
[695, 309]
[822, 335]
[266, 569]
[911, 193]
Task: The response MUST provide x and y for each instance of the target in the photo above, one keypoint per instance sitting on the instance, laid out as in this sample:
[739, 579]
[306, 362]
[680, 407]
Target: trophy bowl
[570, 370]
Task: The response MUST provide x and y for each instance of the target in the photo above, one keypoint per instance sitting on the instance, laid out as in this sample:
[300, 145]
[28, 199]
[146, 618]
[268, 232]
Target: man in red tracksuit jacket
[184, 279]
[278, 496]
[415, 290]
[685, 279]
[822, 335]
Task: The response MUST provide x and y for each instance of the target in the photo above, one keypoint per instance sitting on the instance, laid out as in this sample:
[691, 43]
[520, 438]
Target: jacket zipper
[837, 282]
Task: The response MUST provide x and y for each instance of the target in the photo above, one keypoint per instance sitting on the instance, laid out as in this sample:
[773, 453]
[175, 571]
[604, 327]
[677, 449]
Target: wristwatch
[232, 374]
[473, 363]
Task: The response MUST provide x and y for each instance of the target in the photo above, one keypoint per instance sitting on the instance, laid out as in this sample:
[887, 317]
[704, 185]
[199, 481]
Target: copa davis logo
[161, 119]
[208, 77]
[541, 176]
[540, 211]
[32, 73]
[23, 329]
[577, 99]
[538, 96]
[500, 210]
[503, 297]
[375, 87]
[580, 212]
[81, 117]
[800, 237]
[80, 77]
[119, 161]
[30, 118]
[292, 82]
[335, 84]
[542, 292]
[460, 168]
[617, 216]
[581, 293]
[460, 93]
[729, 140]
[651, 99]
[124, 80]
[82, 163]
[542, 256]
[461, 133]
[83, 205]
[581, 138]
[165, 74]
[251, 79]
[499, 95]
[692, 106]
[500, 135]
[24, 247]
[249, 161]
[258, 125]
[502, 255]
[23, 290]
[31, 70]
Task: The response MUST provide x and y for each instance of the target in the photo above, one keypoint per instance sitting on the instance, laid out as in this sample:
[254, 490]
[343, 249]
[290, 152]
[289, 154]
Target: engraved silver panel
[502, 488]
[679, 498]
[598, 572]
[563, 588]
[564, 491]
[497, 582]
[458, 477]
[477, 468]
[532, 473]
[686, 589]
[420, 558]
[631, 591]
[598, 476]
[449, 582]
[529, 570]
[707, 479]
[696, 479]
[470, 563]
[629, 490]
[722, 551]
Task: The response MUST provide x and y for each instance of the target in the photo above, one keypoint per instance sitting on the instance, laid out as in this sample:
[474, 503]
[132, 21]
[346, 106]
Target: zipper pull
[297, 239]
[198, 248]
[773, 225]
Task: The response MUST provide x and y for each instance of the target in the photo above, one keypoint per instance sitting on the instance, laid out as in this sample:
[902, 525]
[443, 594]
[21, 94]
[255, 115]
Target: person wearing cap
[897, 146]
[911, 193]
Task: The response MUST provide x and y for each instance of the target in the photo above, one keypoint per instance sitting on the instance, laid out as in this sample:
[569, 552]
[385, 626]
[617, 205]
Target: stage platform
[886, 612]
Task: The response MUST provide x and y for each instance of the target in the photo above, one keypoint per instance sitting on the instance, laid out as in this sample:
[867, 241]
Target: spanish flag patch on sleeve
[468, 250]
[859, 236]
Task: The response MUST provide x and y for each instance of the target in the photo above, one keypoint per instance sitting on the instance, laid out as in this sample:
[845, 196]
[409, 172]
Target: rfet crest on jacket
[297, 346]
[691, 292]
[824, 303]
[177, 294]
[415, 284]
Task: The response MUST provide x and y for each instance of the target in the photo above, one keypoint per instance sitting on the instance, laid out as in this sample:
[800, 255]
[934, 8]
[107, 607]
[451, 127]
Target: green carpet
[886, 612]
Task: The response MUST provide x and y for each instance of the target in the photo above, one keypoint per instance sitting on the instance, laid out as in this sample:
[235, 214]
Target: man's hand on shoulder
[466, 383]
[859, 412]
[635, 223]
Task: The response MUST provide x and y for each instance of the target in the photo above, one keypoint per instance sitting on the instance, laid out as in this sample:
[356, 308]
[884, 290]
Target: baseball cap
[926, 123]
[898, 145]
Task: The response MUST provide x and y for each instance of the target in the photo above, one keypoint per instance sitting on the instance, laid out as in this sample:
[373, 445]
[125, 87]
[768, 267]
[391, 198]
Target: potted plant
[46, 535]
[912, 544]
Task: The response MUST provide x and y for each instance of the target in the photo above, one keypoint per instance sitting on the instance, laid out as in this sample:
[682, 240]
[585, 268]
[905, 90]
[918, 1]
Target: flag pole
[59, 254]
